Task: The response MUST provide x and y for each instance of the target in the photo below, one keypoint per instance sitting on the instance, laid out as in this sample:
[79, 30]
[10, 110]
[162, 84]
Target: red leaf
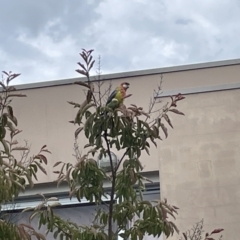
[90, 51]
[179, 97]
[56, 164]
[43, 158]
[45, 150]
[176, 111]
[217, 230]
[44, 146]
[82, 66]
[81, 72]
[91, 65]
[5, 73]
[11, 77]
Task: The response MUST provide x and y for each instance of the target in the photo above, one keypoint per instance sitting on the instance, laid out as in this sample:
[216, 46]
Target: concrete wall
[198, 163]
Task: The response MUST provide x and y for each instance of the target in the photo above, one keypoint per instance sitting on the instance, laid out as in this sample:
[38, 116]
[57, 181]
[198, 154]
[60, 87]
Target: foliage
[16, 170]
[129, 130]
[197, 233]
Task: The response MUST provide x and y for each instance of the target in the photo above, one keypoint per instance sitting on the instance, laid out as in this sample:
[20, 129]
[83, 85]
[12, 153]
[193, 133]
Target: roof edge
[137, 73]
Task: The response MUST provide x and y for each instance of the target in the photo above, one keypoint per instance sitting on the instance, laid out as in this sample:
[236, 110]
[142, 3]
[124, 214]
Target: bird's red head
[125, 85]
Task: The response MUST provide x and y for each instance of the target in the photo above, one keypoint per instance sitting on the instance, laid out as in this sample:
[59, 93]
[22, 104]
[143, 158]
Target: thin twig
[154, 100]
[99, 83]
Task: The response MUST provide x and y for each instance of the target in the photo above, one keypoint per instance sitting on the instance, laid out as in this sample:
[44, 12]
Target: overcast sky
[42, 39]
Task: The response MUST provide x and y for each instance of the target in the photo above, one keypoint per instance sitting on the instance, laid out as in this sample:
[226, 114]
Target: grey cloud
[32, 16]
[42, 39]
[183, 21]
[24, 22]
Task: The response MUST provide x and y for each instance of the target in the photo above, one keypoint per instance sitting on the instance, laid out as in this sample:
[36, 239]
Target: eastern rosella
[117, 96]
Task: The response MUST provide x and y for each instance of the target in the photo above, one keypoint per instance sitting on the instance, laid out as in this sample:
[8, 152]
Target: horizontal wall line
[138, 73]
[202, 89]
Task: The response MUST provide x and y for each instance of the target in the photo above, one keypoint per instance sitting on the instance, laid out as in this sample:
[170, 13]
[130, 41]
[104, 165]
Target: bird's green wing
[111, 97]
[113, 104]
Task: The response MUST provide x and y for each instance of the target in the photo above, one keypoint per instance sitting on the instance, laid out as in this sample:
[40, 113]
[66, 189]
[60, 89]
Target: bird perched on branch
[117, 96]
[115, 100]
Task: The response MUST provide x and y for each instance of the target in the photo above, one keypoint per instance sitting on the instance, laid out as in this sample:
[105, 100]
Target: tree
[16, 170]
[127, 129]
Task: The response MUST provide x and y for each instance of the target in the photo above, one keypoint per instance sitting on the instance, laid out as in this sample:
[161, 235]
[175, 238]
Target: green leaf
[89, 122]
[87, 114]
[84, 107]
[17, 95]
[2, 132]
[55, 234]
[28, 209]
[98, 142]
[11, 127]
[14, 120]
[34, 167]
[32, 216]
[5, 145]
[168, 120]
[78, 131]
[4, 119]
[10, 111]
[117, 144]
[153, 141]
[41, 167]
[30, 179]
[164, 130]
[145, 124]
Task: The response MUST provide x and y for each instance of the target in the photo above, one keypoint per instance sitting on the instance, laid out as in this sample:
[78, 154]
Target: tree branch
[119, 163]
[110, 216]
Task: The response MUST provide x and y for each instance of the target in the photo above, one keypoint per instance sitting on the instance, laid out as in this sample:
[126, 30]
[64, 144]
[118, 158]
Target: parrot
[117, 96]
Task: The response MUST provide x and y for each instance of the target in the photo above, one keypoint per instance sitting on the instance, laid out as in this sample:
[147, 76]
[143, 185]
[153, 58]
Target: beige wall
[199, 163]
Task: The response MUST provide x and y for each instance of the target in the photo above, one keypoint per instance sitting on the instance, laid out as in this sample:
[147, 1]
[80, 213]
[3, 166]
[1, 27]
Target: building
[197, 166]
